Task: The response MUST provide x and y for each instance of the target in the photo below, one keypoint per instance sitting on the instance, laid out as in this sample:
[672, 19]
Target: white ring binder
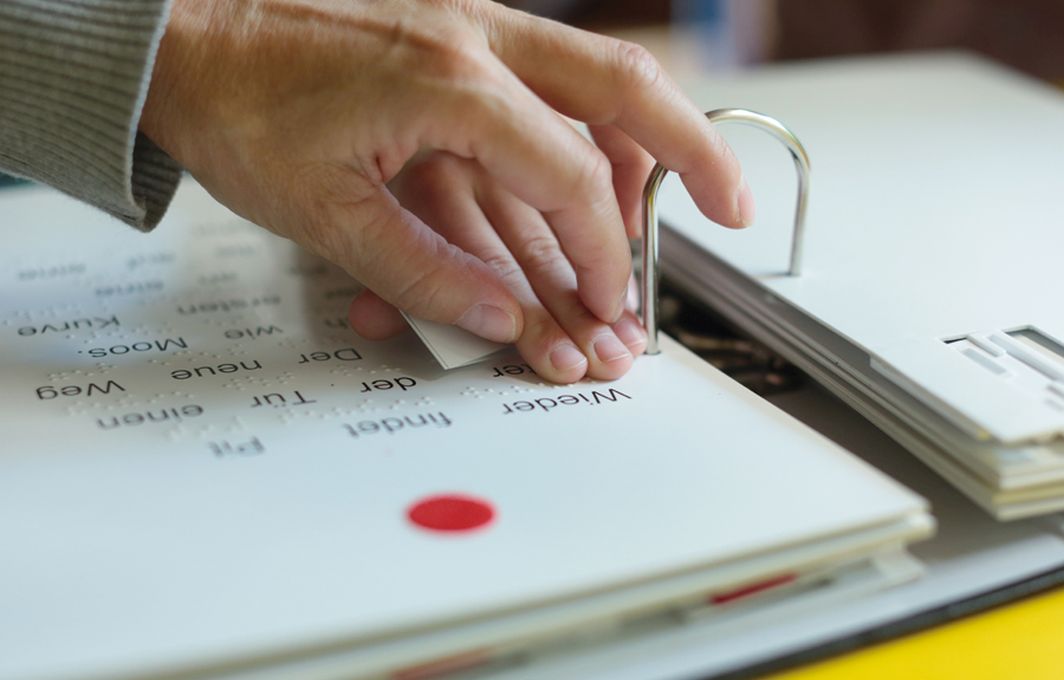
[649, 284]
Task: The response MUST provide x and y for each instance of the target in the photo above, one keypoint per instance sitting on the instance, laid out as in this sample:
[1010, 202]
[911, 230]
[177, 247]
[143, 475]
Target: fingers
[560, 342]
[631, 168]
[441, 192]
[632, 301]
[373, 318]
[610, 349]
[410, 266]
[603, 81]
[539, 157]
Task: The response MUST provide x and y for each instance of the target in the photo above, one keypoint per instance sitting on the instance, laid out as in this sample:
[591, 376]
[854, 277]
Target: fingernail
[631, 300]
[489, 321]
[631, 334]
[744, 204]
[622, 304]
[566, 357]
[608, 348]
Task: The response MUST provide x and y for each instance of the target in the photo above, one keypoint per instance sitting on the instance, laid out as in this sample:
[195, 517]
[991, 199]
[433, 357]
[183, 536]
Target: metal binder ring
[650, 211]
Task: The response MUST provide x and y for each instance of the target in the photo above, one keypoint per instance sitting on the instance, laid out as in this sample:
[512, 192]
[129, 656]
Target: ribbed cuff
[73, 78]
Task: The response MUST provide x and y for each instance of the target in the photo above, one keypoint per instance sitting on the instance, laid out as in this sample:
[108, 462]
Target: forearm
[73, 78]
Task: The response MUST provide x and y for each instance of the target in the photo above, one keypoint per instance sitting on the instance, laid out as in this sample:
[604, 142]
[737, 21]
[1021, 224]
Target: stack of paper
[974, 562]
[206, 473]
[930, 297]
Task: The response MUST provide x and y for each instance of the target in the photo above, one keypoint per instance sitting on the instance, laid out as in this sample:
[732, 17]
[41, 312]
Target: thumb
[403, 261]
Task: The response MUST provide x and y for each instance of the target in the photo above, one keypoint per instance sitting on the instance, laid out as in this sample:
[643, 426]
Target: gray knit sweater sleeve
[73, 78]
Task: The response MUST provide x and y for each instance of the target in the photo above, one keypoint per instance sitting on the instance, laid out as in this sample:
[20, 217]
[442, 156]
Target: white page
[453, 347]
[201, 462]
[970, 554]
[933, 216]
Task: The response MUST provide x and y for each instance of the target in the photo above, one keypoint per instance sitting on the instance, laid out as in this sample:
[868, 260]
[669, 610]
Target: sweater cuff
[73, 78]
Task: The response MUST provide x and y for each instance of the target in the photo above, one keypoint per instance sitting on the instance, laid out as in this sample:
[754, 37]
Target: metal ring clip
[650, 211]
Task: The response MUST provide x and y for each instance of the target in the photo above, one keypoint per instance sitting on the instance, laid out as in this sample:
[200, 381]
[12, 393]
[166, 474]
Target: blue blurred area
[701, 11]
[714, 23]
[8, 181]
[731, 34]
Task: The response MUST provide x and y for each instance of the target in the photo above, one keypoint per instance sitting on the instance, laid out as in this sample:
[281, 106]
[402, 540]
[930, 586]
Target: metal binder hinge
[650, 211]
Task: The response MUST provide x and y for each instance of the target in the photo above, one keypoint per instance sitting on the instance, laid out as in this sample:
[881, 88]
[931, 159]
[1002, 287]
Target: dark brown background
[1027, 34]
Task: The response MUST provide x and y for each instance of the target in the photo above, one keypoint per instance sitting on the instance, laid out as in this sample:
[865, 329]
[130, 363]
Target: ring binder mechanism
[650, 211]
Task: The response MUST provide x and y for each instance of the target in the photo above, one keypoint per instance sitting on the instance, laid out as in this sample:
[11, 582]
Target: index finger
[604, 81]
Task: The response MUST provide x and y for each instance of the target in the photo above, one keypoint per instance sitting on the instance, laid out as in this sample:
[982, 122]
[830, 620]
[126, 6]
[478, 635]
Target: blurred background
[730, 34]
[703, 36]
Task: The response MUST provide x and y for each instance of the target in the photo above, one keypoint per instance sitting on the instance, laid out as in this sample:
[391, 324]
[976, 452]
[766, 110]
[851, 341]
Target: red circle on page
[451, 512]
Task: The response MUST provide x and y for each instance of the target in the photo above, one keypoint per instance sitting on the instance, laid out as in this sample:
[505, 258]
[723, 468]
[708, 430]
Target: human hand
[561, 341]
[297, 113]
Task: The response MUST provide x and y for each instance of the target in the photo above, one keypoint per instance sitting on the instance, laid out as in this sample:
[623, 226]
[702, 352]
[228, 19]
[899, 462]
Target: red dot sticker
[451, 512]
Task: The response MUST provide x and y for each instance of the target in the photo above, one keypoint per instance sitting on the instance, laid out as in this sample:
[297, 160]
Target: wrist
[174, 103]
[154, 104]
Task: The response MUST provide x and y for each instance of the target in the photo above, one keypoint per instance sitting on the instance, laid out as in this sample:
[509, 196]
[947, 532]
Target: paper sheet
[453, 347]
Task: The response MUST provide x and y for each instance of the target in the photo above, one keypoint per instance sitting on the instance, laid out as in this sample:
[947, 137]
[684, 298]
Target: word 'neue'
[201, 371]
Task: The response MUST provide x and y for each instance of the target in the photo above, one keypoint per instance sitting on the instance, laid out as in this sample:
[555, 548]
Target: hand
[561, 341]
[297, 113]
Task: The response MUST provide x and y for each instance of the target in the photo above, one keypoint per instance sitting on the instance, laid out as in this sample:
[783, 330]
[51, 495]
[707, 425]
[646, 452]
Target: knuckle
[433, 290]
[316, 210]
[504, 265]
[410, 295]
[322, 235]
[444, 42]
[594, 177]
[459, 58]
[608, 267]
[541, 253]
[541, 329]
[473, 9]
[419, 291]
[637, 68]
[345, 234]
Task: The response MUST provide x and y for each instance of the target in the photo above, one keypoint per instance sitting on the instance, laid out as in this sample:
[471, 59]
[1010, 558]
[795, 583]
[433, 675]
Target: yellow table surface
[1022, 640]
